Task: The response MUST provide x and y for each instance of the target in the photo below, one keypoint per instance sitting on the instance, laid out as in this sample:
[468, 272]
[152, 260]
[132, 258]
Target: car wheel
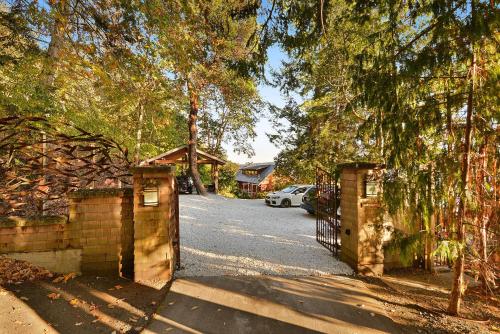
[286, 203]
[311, 212]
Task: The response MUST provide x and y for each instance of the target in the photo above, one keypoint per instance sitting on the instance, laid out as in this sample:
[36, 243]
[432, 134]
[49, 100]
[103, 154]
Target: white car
[290, 196]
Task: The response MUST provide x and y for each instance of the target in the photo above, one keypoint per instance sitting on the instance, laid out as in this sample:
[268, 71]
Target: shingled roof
[263, 170]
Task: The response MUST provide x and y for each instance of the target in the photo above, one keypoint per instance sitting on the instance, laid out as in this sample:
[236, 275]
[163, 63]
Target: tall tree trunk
[60, 11]
[137, 153]
[483, 217]
[54, 51]
[458, 279]
[193, 137]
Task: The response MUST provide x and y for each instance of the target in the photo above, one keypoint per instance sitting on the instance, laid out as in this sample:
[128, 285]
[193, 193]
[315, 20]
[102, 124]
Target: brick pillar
[362, 220]
[154, 225]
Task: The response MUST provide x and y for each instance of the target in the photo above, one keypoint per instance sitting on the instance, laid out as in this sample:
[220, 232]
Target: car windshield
[289, 189]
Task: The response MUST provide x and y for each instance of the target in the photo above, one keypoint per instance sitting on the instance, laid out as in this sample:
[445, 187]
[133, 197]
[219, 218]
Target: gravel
[222, 236]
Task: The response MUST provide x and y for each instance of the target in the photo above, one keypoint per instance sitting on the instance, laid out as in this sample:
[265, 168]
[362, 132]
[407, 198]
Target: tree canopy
[413, 85]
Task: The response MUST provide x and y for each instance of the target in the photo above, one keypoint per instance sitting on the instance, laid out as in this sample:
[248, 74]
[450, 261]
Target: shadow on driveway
[270, 304]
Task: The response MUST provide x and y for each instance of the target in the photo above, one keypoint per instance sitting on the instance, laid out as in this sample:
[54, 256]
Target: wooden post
[215, 167]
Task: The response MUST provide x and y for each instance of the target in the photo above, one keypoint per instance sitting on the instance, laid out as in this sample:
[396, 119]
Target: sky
[264, 150]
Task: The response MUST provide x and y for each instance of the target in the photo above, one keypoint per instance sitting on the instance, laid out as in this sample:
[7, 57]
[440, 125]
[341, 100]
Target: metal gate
[327, 203]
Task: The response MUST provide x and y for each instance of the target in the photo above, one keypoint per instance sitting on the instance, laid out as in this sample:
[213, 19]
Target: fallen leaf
[111, 306]
[68, 277]
[132, 319]
[54, 295]
[79, 324]
[118, 287]
[24, 298]
[95, 320]
[194, 307]
[74, 301]
[58, 279]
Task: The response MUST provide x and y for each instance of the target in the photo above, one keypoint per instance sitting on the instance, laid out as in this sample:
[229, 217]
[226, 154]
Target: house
[255, 177]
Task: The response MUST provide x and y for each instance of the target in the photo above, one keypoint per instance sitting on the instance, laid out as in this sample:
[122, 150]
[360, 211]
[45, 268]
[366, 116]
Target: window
[250, 172]
[289, 189]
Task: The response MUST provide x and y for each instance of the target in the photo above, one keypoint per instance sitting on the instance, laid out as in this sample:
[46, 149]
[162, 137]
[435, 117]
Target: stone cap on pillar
[100, 192]
[153, 171]
[361, 165]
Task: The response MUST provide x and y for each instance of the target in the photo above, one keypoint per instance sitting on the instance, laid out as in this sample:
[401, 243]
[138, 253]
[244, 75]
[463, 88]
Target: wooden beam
[182, 161]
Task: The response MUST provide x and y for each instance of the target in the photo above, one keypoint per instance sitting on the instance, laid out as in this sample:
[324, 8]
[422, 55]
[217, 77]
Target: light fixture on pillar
[371, 186]
[150, 193]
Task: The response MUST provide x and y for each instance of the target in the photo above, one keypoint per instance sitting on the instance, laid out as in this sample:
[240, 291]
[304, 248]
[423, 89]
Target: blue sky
[264, 150]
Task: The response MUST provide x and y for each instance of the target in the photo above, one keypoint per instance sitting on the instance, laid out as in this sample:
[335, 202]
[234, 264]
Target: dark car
[185, 184]
[310, 201]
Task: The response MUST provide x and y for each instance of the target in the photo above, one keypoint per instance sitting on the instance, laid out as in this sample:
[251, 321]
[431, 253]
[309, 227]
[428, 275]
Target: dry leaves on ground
[64, 278]
[54, 295]
[16, 271]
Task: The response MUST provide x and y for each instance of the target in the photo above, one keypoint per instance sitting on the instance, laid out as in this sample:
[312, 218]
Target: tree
[418, 90]
[322, 42]
[208, 47]
[229, 118]
[103, 73]
[421, 73]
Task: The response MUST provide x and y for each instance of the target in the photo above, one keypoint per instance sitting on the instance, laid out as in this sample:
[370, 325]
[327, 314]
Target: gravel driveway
[221, 236]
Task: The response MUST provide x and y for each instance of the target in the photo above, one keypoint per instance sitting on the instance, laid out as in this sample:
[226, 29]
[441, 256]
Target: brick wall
[32, 234]
[100, 236]
[105, 220]
[48, 241]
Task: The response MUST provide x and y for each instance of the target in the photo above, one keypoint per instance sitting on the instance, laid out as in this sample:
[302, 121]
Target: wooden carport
[179, 156]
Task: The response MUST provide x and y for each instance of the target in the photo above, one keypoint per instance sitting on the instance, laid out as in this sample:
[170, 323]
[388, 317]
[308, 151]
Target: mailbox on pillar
[150, 193]
[372, 184]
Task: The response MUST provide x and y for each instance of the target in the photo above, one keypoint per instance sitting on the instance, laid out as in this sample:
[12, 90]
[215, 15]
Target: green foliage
[322, 131]
[449, 249]
[406, 246]
[227, 178]
[213, 51]
[411, 84]
[121, 68]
